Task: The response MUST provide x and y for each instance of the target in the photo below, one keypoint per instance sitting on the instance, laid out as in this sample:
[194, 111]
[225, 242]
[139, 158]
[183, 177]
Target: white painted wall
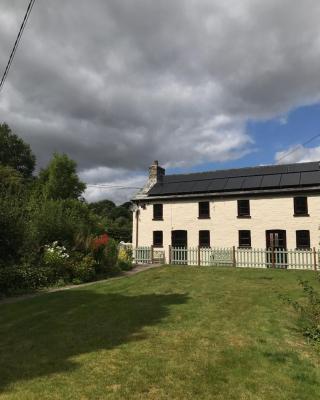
[266, 213]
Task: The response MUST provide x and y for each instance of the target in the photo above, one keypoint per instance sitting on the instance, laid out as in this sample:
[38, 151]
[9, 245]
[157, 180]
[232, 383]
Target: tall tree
[15, 153]
[60, 180]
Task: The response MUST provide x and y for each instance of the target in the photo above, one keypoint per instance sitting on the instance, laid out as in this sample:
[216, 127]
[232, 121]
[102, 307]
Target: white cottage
[261, 207]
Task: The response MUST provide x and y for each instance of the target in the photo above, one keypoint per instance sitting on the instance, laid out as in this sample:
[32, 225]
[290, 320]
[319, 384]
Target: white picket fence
[231, 256]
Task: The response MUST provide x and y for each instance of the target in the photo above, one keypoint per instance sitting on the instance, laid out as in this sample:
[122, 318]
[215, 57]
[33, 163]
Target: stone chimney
[156, 173]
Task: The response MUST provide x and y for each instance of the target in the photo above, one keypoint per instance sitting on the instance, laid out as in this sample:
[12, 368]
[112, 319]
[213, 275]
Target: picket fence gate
[308, 259]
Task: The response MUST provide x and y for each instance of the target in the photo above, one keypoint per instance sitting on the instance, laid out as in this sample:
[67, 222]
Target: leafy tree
[15, 153]
[102, 208]
[117, 219]
[59, 180]
[11, 181]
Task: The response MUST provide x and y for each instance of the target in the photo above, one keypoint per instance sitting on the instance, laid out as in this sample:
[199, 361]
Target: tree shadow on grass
[38, 337]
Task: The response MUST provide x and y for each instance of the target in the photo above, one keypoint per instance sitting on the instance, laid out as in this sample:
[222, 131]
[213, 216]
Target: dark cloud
[117, 83]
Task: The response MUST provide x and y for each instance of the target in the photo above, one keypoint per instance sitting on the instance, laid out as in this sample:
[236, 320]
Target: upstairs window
[245, 239]
[243, 208]
[303, 239]
[300, 205]
[157, 238]
[204, 209]
[204, 238]
[158, 212]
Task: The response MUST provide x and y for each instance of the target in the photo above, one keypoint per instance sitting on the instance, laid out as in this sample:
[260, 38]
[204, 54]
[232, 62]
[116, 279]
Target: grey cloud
[117, 83]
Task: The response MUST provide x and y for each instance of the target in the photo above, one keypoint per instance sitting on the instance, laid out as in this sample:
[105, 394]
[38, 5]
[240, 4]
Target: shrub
[59, 220]
[16, 279]
[56, 258]
[125, 259]
[81, 269]
[12, 228]
[107, 257]
[308, 310]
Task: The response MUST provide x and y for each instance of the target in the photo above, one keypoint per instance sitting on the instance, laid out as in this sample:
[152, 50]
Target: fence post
[151, 255]
[198, 256]
[315, 258]
[272, 257]
[234, 261]
[169, 254]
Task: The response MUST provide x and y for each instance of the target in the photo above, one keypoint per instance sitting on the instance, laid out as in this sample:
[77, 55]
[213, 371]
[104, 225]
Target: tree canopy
[59, 181]
[15, 153]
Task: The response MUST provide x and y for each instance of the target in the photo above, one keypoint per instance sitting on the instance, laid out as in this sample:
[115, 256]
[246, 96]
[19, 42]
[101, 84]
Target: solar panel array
[242, 179]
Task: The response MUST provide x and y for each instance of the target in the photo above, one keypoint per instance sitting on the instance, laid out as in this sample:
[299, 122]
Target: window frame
[303, 246]
[298, 212]
[207, 243]
[202, 215]
[156, 243]
[241, 214]
[157, 216]
[244, 246]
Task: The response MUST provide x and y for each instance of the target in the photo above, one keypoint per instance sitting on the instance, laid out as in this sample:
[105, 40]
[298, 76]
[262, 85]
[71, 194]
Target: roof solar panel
[201, 186]
[252, 182]
[184, 187]
[269, 181]
[291, 179]
[156, 189]
[310, 178]
[234, 184]
[304, 167]
[262, 177]
[216, 185]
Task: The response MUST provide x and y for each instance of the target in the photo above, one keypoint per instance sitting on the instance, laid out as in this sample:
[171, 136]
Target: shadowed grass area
[167, 333]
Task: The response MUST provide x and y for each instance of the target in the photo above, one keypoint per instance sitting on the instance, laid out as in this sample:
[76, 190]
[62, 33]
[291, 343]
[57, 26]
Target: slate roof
[302, 175]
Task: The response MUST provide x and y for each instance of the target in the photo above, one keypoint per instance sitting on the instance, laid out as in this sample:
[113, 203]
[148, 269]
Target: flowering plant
[55, 256]
[99, 241]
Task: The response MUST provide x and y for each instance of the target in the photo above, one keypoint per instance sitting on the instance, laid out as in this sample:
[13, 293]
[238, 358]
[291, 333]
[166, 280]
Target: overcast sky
[194, 83]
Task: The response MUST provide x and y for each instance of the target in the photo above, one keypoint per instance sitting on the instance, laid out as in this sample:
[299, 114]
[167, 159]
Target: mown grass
[168, 333]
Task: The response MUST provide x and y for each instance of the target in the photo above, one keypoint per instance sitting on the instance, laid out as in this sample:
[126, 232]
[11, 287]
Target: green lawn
[168, 333]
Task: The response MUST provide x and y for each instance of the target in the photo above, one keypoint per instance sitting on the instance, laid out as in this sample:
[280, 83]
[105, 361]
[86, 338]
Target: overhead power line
[113, 187]
[16, 43]
[298, 147]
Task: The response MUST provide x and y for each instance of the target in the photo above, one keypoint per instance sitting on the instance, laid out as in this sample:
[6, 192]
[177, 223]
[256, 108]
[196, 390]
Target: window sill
[301, 215]
[157, 247]
[204, 217]
[303, 248]
[244, 216]
[157, 219]
[244, 247]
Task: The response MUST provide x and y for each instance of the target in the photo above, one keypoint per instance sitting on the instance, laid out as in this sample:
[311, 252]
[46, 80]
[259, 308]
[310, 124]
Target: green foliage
[12, 228]
[56, 258]
[308, 309]
[22, 278]
[125, 259]
[82, 269]
[117, 219]
[11, 181]
[102, 208]
[60, 220]
[35, 212]
[15, 153]
[60, 180]
[106, 258]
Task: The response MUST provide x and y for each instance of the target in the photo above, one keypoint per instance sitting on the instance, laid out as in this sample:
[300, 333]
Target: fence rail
[308, 259]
